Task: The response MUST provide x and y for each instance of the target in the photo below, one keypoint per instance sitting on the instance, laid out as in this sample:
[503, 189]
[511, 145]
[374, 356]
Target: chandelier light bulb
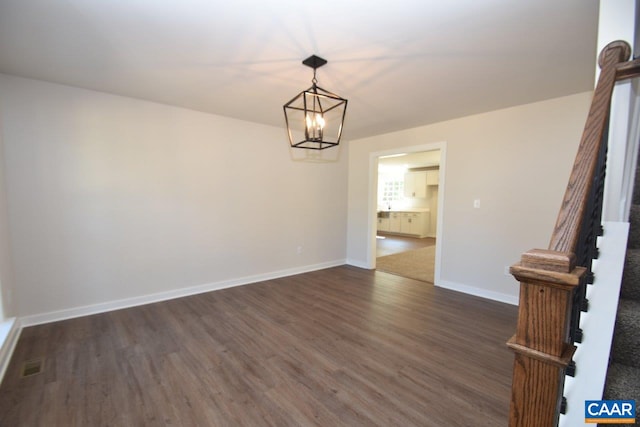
[315, 123]
[314, 126]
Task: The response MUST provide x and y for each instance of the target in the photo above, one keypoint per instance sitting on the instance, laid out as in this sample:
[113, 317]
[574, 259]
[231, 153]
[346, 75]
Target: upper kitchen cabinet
[433, 177]
[415, 184]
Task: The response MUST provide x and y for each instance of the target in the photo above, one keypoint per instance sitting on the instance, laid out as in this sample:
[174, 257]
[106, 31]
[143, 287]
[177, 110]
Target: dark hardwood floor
[337, 347]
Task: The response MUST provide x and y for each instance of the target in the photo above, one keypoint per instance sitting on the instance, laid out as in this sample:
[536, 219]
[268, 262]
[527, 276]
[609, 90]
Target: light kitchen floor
[393, 244]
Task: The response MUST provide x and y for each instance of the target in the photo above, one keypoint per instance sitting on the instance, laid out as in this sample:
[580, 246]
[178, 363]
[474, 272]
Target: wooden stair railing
[553, 281]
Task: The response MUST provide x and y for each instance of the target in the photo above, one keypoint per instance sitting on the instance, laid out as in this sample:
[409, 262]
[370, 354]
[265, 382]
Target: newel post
[541, 344]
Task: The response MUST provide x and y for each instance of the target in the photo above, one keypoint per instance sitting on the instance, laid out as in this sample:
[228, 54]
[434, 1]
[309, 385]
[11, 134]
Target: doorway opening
[408, 208]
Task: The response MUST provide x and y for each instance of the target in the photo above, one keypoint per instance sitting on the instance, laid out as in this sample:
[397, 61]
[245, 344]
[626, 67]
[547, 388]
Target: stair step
[636, 188]
[631, 277]
[634, 227]
[635, 198]
[626, 340]
[623, 383]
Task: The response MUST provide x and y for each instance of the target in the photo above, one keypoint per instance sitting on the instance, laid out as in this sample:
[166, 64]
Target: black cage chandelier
[315, 116]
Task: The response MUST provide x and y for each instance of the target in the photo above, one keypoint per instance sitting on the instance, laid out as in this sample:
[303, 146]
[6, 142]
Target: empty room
[189, 205]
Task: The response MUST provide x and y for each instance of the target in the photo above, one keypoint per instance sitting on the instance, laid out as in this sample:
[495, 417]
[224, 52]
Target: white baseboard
[479, 292]
[9, 333]
[54, 316]
[358, 264]
[459, 287]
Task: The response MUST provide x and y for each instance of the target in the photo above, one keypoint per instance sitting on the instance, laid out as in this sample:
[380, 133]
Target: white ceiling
[410, 160]
[401, 63]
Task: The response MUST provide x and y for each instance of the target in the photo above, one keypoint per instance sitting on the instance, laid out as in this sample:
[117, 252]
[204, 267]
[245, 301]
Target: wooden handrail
[552, 280]
[565, 233]
[628, 70]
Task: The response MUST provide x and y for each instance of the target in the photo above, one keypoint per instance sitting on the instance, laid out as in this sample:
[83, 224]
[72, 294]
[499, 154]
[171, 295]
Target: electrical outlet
[476, 203]
[299, 250]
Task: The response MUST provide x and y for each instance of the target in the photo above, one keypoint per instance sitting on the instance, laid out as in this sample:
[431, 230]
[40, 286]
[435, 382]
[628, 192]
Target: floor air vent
[31, 367]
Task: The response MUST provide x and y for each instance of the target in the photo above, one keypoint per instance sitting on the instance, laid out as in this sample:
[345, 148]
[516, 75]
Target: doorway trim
[372, 203]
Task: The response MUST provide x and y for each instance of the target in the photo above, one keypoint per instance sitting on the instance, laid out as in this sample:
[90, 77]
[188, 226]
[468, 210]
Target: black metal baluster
[587, 249]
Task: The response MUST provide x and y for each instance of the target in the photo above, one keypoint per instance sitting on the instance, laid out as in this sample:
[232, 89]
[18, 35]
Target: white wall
[6, 269]
[113, 198]
[516, 161]
[617, 21]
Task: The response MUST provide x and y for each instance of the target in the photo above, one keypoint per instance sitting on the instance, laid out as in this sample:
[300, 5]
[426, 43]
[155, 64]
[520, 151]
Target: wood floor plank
[341, 347]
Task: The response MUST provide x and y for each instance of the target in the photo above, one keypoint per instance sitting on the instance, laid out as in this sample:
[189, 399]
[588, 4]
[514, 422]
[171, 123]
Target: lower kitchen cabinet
[409, 223]
[394, 222]
[383, 224]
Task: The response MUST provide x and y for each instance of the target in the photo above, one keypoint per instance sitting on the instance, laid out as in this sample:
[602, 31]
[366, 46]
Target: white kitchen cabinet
[383, 224]
[415, 223]
[433, 177]
[422, 221]
[409, 223]
[415, 184]
[395, 219]
[406, 224]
